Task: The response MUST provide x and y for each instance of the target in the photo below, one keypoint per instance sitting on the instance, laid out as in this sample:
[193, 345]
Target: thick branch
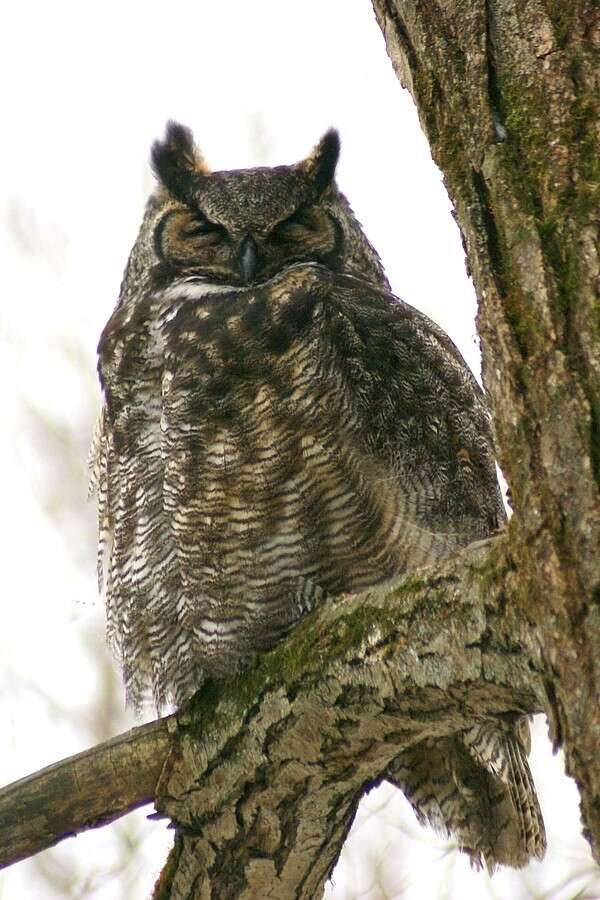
[84, 791]
[272, 764]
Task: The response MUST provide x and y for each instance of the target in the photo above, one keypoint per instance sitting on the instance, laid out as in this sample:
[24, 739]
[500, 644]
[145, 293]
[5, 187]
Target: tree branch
[84, 791]
[263, 772]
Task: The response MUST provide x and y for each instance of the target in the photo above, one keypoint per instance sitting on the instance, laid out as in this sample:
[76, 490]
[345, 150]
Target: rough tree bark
[508, 95]
[262, 775]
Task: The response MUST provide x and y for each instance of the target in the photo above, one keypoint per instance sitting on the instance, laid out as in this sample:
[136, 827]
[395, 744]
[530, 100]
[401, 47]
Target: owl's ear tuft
[320, 165]
[176, 160]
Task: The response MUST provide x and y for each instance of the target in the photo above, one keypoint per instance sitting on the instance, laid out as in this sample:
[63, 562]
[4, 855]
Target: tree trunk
[508, 96]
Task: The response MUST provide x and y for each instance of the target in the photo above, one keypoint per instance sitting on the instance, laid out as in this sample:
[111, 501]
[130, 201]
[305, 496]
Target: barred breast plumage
[277, 426]
[258, 460]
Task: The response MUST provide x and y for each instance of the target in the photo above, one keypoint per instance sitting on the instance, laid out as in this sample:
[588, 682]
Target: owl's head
[244, 226]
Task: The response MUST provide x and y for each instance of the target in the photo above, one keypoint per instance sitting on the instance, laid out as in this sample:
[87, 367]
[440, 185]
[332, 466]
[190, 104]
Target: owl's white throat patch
[194, 288]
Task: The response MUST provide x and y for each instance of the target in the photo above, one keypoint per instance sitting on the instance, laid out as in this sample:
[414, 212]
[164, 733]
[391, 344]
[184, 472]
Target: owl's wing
[423, 413]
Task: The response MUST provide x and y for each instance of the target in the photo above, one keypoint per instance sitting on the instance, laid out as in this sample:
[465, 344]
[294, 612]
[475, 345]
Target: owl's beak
[248, 258]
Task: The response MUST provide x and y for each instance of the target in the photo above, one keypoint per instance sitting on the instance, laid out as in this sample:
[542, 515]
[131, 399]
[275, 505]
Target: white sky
[86, 90]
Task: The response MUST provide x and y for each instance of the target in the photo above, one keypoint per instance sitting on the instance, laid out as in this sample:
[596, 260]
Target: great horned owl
[278, 427]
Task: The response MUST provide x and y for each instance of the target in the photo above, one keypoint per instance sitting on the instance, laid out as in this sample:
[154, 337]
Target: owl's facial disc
[243, 253]
[245, 226]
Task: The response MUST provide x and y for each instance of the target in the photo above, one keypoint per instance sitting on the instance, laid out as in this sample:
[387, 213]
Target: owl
[277, 427]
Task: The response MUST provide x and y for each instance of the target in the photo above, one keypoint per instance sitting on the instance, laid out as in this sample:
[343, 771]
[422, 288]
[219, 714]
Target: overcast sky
[86, 89]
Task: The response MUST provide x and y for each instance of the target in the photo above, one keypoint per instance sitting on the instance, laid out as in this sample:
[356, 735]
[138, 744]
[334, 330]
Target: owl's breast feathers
[262, 446]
